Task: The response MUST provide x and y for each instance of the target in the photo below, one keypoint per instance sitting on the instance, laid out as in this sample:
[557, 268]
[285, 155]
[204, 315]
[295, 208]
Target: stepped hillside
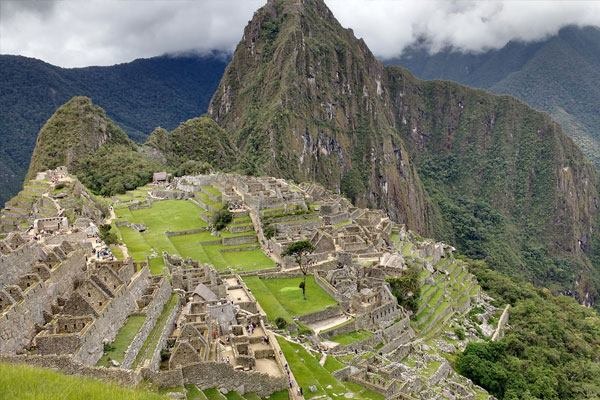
[138, 96]
[303, 98]
[554, 75]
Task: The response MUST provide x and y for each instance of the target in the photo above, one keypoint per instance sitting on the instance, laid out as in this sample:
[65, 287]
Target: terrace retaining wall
[153, 311]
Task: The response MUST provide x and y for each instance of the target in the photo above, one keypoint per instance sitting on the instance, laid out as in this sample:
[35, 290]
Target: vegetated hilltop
[138, 96]
[80, 136]
[303, 98]
[557, 74]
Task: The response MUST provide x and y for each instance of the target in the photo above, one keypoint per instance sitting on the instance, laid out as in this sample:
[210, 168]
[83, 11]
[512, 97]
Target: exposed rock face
[303, 98]
[75, 130]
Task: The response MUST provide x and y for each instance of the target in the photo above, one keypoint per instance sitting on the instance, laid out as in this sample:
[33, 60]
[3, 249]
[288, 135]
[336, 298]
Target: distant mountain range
[138, 96]
[559, 75]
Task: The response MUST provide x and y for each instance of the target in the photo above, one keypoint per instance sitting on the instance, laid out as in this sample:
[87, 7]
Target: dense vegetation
[138, 96]
[115, 169]
[554, 75]
[407, 288]
[199, 140]
[550, 351]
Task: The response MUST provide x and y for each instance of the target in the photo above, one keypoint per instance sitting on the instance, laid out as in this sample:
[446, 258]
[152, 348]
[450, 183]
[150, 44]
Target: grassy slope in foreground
[27, 383]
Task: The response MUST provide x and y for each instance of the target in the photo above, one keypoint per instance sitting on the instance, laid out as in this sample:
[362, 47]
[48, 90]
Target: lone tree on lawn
[300, 250]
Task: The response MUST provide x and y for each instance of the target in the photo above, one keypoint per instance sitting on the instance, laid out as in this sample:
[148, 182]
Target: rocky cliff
[303, 98]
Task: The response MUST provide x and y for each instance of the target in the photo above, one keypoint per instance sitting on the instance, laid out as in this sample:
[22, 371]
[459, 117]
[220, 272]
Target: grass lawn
[152, 339]
[163, 216]
[27, 383]
[282, 297]
[124, 337]
[214, 394]
[193, 393]
[283, 395]
[116, 251]
[308, 371]
[180, 215]
[351, 337]
[332, 364]
[239, 261]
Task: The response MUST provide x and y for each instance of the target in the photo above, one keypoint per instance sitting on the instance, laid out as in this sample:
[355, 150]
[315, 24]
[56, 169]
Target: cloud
[103, 32]
[389, 26]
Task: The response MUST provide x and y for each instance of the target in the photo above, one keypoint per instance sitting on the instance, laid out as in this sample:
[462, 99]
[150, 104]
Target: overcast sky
[73, 33]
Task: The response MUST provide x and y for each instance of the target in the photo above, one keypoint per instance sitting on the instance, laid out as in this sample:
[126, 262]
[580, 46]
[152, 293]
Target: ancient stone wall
[17, 324]
[187, 232]
[153, 311]
[220, 375]
[106, 326]
[18, 262]
[162, 341]
[238, 240]
[329, 312]
[347, 327]
[326, 286]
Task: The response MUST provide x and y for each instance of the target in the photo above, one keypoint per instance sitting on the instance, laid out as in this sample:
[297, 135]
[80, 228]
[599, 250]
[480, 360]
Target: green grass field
[308, 371]
[181, 215]
[282, 297]
[124, 337]
[27, 383]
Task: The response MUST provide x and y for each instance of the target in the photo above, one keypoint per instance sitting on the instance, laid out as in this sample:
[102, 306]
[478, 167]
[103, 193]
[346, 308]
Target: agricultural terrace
[450, 289]
[282, 297]
[234, 249]
[308, 372]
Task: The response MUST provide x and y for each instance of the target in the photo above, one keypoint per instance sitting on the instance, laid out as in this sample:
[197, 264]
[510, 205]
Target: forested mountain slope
[558, 75]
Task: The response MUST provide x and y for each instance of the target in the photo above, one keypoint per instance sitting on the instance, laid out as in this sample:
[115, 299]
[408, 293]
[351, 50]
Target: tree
[222, 218]
[300, 250]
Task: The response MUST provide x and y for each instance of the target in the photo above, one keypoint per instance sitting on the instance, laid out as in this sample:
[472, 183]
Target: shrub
[107, 235]
[280, 322]
[460, 333]
[269, 231]
[222, 218]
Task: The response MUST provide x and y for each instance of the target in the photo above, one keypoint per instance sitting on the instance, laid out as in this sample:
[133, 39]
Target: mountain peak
[76, 129]
[305, 99]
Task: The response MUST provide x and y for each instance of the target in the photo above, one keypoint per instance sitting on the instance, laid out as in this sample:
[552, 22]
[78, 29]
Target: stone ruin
[220, 329]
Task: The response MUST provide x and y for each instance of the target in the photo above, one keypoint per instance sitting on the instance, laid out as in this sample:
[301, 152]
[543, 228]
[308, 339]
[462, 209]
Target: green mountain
[304, 99]
[82, 137]
[198, 139]
[138, 96]
[555, 75]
